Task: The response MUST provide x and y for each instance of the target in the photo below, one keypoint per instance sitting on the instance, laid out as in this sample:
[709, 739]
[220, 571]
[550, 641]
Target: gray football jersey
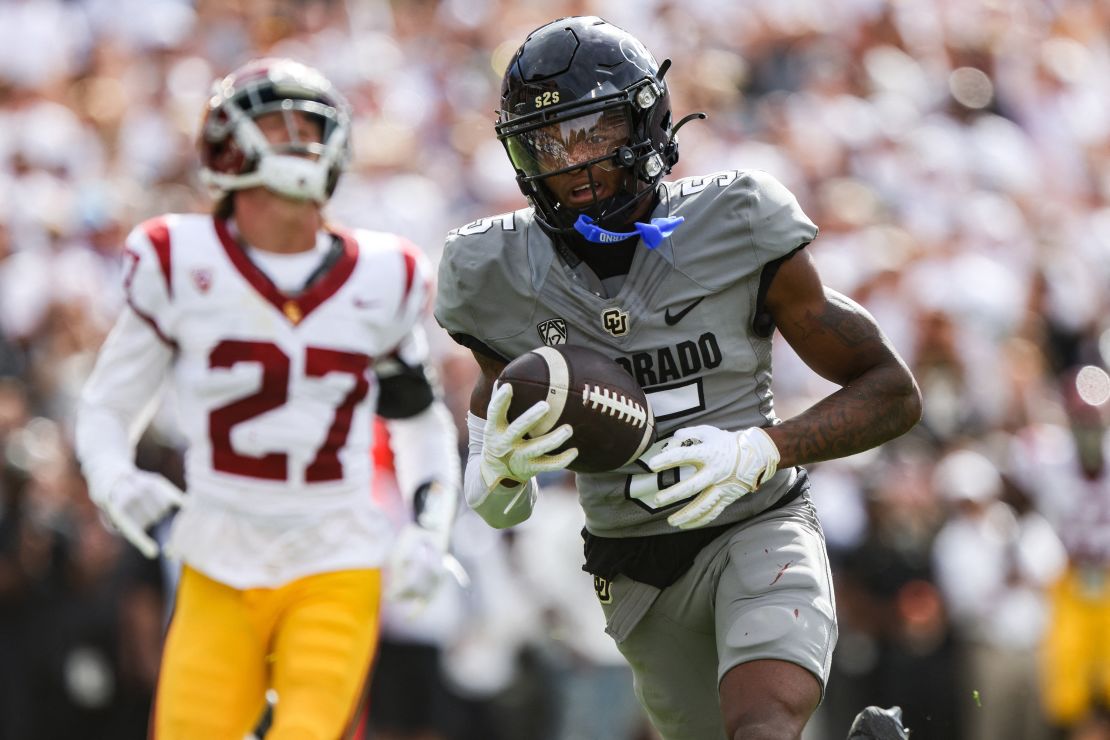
[681, 324]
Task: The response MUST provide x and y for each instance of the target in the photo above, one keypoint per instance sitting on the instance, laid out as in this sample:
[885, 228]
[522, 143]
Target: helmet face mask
[567, 92]
[591, 139]
[235, 151]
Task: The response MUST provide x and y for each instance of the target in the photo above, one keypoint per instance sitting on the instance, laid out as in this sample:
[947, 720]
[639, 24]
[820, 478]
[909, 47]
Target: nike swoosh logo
[673, 319]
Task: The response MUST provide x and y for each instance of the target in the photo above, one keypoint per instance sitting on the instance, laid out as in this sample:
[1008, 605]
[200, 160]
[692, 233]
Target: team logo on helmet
[636, 53]
[553, 331]
[615, 321]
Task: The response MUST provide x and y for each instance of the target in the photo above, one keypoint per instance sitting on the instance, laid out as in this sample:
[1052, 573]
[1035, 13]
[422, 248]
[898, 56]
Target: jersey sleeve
[455, 290]
[416, 295]
[398, 269]
[120, 398]
[404, 387]
[121, 394]
[736, 223]
[485, 291]
[148, 277]
[778, 224]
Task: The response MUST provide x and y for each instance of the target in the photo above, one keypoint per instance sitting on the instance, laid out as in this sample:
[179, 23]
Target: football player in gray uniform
[707, 556]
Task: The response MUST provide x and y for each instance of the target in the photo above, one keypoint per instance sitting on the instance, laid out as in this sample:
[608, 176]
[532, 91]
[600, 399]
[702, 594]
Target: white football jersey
[276, 392]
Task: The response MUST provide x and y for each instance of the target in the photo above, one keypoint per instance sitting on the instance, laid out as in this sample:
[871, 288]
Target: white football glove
[508, 459]
[418, 565]
[420, 555]
[727, 465]
[135, 502]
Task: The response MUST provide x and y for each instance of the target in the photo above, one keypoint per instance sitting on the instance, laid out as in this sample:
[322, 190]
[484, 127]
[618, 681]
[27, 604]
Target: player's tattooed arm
[836, 337]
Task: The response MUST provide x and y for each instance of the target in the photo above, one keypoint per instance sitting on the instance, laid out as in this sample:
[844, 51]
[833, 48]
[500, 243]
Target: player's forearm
[425, 450]
[103, 446]
[118, 399]
[878, 406]
[425, 447]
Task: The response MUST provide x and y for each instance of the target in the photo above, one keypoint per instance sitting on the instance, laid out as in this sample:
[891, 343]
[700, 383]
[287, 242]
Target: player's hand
[510, 459]
[135, 502]
[726, 465]
[418, 567]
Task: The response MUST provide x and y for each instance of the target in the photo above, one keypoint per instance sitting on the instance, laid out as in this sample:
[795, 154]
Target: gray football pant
[762, 590]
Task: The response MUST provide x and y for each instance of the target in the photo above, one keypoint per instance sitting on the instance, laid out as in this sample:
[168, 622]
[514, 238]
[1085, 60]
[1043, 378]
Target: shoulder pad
[486, 286]
[736, 222]
[148, 274]
[398, 268]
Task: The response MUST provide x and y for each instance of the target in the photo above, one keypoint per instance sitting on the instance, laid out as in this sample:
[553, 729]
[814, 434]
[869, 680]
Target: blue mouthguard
[653, 234]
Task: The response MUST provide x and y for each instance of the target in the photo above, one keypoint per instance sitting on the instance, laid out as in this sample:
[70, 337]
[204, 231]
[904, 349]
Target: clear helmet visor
[592, 138]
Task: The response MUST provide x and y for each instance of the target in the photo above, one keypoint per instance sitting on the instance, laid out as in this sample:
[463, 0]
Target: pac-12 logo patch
[615, 321]
[202, 278]
[553, 331]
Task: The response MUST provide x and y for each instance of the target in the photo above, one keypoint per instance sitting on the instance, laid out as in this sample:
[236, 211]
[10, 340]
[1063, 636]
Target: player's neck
[272, 223]
[605, 260]
[609, 260]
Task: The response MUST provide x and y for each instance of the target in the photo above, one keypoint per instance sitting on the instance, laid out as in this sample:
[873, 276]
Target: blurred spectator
[895, 645]
[81, 617]
[993, 568]
[1068, 477]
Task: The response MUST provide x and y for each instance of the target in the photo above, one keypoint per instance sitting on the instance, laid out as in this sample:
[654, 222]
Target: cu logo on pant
[603, 586]
[615, 321]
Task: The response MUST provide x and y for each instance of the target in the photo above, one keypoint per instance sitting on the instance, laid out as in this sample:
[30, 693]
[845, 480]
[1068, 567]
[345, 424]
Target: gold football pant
[1076, 670]
[311, 640]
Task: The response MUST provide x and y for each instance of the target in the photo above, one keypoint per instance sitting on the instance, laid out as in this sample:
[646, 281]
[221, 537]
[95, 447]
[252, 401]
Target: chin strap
[653, 234]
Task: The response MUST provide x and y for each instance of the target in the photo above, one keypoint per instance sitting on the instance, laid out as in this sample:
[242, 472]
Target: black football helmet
[582, 93]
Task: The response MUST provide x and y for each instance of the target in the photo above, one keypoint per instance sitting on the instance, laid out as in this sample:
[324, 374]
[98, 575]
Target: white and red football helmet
[235, 154]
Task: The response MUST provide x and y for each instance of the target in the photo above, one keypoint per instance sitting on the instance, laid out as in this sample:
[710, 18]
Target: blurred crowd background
[956, 156]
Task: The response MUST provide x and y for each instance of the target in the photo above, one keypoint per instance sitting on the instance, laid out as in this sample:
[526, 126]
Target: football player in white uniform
[283, 336]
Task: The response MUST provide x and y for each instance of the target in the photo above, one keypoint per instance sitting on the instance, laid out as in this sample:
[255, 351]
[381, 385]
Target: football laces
[614, 404]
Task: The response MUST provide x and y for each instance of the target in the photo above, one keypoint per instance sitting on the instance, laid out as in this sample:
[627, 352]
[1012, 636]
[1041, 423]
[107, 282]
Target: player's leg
[768, 700]
[212, 680]
[673, 658]
[322, 650]
[776, 624]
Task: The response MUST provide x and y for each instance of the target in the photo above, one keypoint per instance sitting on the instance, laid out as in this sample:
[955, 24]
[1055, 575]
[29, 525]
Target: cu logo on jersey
[552, 331]
[615, 321]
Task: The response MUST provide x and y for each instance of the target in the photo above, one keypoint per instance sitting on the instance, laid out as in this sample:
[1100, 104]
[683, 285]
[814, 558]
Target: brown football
[608, 411]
